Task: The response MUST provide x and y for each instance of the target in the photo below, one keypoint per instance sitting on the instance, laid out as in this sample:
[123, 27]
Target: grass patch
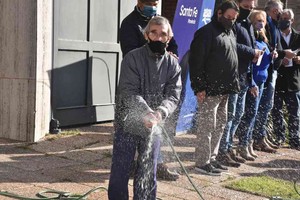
[63, 134]
[266, 186]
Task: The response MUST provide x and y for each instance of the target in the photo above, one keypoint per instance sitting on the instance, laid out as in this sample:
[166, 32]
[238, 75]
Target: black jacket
[131, 36]
[213, 60]
[289, 77]
[273, 35]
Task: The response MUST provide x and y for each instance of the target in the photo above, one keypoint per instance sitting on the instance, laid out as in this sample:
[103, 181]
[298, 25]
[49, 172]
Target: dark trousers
[292, 102]
[124, 149]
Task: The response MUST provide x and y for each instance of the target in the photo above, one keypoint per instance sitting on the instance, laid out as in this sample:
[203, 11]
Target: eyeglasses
[164, 36]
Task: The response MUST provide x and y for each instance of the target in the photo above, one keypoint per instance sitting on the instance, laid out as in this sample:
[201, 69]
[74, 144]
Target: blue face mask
[149, 11]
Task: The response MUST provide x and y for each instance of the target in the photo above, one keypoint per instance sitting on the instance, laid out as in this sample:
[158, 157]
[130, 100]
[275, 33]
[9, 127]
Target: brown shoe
[261, 145]
[251, 151]
[244, 153]
[235, 157]
[164, 173]
[270, 143]
[225, 159]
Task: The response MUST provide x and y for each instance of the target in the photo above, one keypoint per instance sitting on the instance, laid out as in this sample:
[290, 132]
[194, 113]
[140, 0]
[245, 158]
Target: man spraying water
[148, 93]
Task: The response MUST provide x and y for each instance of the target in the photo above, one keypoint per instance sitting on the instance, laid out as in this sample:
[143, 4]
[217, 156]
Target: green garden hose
[179, 161]
[60, 195]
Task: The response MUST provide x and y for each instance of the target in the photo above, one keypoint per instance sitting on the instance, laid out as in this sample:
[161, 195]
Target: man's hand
[296, 59]
[289, 53]
[274, 54]
[201, 96]
[285, 61]
[152, 119]
[254, 91]
[257, 54]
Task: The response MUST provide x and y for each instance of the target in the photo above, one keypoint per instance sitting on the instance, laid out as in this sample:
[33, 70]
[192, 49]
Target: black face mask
[284, 24]
[157, 47]
[226, 23]
[244, 13]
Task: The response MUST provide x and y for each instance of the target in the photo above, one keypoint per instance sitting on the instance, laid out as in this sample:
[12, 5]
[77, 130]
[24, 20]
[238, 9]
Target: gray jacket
[147, 83]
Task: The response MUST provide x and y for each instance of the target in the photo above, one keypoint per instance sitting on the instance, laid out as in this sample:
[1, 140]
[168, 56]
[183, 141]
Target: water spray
[166, 135]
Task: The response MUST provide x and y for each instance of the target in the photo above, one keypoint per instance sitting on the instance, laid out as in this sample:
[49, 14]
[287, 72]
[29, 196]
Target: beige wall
[25, 58]
[43, 67]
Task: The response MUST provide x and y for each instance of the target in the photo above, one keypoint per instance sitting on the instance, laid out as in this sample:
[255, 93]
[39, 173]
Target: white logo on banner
[207, 14]
[192, 13]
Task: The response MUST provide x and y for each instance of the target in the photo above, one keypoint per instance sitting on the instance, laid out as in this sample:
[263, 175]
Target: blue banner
[190, 15]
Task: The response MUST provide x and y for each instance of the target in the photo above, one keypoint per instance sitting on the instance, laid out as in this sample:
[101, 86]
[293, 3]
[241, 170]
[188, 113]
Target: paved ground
[80, 162]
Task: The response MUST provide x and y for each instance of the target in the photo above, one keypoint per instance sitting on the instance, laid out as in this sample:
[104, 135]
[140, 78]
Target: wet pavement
[81, 161]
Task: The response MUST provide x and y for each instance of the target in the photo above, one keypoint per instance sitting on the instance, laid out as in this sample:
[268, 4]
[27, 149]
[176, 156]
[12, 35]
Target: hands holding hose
[152, 118]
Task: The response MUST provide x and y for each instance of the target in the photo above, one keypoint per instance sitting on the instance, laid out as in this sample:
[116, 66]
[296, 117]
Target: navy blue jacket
[273, 35]
[131, 36]
[246, 48]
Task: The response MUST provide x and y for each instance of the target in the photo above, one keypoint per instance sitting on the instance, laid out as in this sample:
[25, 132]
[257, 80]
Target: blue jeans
[265, 107]
[236, 105]
[244, 130]
[124, 148]
[292, 102]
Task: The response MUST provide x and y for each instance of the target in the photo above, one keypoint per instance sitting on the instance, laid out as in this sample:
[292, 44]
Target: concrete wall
[24, 58]
[43, 67]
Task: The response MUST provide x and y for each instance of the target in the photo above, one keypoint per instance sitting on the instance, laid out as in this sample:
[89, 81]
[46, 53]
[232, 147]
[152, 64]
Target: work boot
[216, 164]
[251, 151]
[225, 159]
[261, 145]
[244, 153]
[235, 157]
[164, 173]
[271, 143]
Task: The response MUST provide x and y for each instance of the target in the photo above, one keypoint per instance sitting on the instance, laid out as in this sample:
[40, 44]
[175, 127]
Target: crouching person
[148, 92]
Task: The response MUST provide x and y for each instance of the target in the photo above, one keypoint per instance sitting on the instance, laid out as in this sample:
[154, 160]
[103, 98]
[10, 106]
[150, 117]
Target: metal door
[85, 59]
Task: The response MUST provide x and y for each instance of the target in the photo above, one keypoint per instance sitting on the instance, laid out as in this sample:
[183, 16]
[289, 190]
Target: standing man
[288, 84]
[247, 53]
[131, 31]
[131, 37]
[273, 9]
[214, 74]
[148, 92]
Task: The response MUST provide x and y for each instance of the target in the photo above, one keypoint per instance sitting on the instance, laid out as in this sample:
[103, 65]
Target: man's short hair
[289, 12]
[229, 4]
[147, 1]
[159, 20]
[273, 4]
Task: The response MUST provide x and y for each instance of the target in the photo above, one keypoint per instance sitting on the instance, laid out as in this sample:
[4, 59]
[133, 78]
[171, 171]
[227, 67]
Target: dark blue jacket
[131, 35]
[245, 48]
[273, 35]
